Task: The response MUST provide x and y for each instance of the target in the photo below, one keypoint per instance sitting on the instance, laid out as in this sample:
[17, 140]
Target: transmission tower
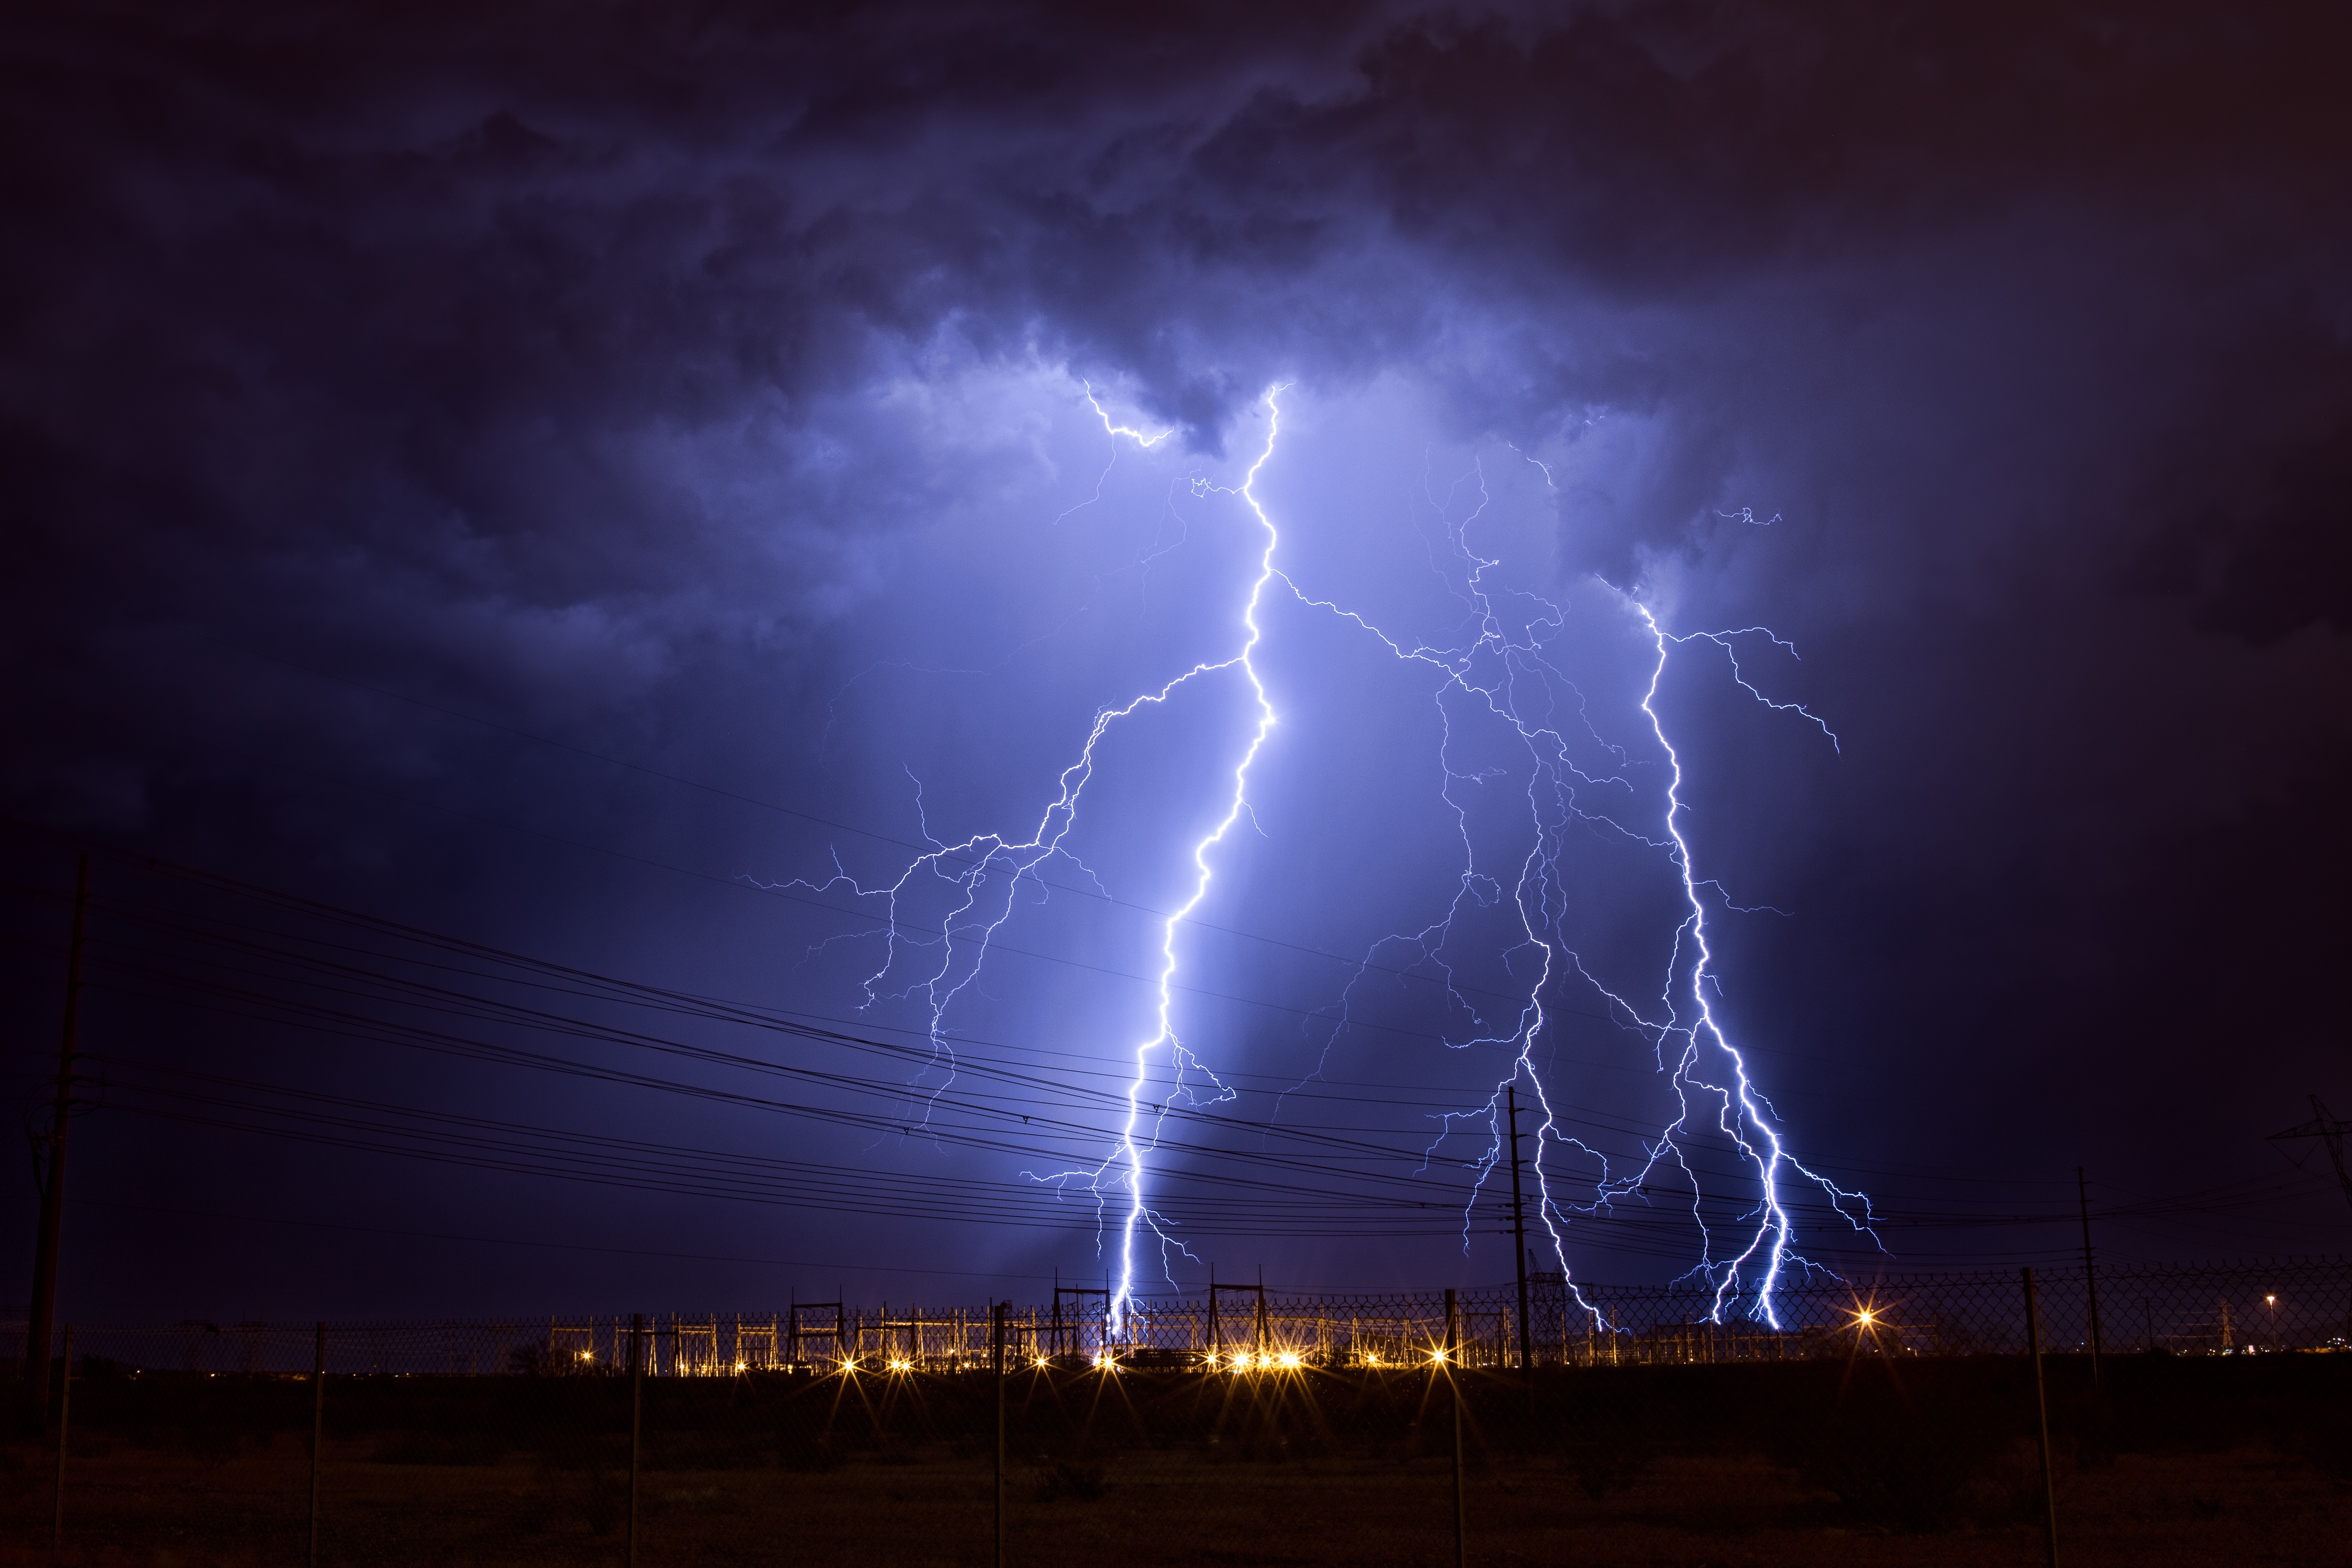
[2329, 1129]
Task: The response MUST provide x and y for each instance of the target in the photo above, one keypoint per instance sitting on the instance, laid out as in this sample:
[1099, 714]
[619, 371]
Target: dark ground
[2204, 1460]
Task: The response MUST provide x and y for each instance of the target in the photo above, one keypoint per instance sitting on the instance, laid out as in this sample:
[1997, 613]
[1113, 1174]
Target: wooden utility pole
[41, 1320]
[65, 1420]
[2089, 1274]
[2041, 1420]
[1519, 1243]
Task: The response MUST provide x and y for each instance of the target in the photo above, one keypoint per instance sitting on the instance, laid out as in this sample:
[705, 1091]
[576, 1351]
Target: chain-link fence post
[996, 1336]
[317, 1431]
[64, 1416]
[2042, 1419]
[1454, 1387]
[637, 1419]
[2089, 1274]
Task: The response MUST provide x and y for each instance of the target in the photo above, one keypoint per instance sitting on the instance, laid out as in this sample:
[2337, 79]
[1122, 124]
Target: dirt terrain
[1664, 1467]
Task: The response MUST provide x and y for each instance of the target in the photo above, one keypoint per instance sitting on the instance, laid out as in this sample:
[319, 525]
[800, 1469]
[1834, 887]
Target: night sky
[599, 485]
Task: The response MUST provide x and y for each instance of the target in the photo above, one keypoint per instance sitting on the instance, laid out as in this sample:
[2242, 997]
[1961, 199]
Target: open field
[2205, 1461]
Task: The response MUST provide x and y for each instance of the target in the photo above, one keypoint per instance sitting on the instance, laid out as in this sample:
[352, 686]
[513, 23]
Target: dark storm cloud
[276, 266]
[502, 355]
[365, 324]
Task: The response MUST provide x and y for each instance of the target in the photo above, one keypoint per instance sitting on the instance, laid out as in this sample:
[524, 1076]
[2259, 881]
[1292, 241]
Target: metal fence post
[1453, 1387]
[64, 1416]
[637, 1419]
[42, 1315]
[2090, 1272]
[317, 1431]
[2042, 1419]
[1519, 1246]
[996, 1312]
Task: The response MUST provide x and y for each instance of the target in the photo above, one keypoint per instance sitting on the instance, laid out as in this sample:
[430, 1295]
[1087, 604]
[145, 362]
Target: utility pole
[2327, 1129]
[2090, 1274]
[65, 1419]
[1519, 1243]
[42, 1318]
[2041, 1420]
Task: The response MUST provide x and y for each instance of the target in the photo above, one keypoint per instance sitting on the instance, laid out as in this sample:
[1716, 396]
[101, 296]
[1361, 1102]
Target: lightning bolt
[1503, 673]
[1130, 1147]
[1743, 1115]
[989, 870]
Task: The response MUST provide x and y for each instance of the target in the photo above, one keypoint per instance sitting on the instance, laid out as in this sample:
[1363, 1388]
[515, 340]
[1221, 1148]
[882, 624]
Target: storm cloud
[657, 380]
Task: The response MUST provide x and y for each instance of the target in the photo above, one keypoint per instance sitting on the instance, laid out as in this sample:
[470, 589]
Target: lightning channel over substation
[1505, 671]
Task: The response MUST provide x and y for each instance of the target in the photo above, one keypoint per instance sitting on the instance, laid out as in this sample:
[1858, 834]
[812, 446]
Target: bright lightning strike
[1504, 671]
[989, 869]
[1130, 1147]
[1742, 1115]
[1576, 781]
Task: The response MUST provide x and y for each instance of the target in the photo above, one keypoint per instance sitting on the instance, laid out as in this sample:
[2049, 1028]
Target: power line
[925, 848]
[1301, 1176]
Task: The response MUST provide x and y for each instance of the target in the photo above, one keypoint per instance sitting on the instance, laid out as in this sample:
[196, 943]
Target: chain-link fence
[2184, 1308]
[581, 1437]
[2200, 1309]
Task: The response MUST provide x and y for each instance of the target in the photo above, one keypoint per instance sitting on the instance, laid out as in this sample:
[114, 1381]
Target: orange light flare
[1869, 1317]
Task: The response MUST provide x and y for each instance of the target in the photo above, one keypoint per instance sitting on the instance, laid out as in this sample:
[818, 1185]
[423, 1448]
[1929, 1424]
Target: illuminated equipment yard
[1367, 1380]
[2189, 1309]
